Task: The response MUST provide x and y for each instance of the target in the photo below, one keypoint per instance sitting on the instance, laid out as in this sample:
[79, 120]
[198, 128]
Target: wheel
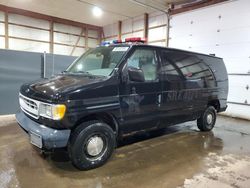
[207, 120]
[91, 145]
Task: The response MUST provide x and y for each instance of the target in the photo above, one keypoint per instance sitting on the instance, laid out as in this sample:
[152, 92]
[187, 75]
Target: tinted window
[145, 60]
[191, 66]
[168, 70]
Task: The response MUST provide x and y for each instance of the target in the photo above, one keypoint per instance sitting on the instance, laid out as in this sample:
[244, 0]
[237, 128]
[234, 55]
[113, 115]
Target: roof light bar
[105, 43]
[127, 40]
[118, 41]
[135, 39]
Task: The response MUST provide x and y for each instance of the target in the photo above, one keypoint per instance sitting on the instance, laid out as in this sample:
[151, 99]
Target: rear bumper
[51, 138]
[223, 109]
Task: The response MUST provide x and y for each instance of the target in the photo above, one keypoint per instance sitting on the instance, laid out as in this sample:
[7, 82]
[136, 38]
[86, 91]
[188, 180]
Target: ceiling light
[97, 11]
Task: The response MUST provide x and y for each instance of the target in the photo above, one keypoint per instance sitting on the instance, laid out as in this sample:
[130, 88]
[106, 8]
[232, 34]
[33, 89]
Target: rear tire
[91, 145]
[207, 120]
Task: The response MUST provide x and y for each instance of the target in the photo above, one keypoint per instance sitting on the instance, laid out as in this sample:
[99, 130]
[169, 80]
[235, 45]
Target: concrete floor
[180, 157]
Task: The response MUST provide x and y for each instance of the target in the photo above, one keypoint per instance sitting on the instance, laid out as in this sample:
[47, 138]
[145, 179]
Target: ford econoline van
[118, 89]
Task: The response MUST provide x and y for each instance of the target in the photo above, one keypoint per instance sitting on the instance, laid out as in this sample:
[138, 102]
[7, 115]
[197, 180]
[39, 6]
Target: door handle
[159, 99]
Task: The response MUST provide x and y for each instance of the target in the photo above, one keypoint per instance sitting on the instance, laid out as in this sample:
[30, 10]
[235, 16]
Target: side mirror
[136, 75]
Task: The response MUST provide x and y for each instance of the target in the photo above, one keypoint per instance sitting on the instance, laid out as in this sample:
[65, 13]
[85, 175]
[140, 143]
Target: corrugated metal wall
[17, 67]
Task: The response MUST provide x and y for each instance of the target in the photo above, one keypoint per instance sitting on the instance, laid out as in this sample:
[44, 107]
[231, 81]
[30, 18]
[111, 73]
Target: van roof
[175, 49]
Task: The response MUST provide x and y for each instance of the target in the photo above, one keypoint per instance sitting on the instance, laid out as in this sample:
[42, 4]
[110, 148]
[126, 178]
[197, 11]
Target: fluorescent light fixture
[97, 11]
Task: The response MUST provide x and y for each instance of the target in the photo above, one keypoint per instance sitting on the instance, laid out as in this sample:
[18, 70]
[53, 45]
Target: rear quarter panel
[219, 70]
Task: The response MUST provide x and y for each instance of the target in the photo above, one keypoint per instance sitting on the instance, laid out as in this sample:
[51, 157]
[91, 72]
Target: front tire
[91, 145]
[207, 120]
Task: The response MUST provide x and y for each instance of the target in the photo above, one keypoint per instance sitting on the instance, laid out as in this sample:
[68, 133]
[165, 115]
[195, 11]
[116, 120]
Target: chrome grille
[29, 106]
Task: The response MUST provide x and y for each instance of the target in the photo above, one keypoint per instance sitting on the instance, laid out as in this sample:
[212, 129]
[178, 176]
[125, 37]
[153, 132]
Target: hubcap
[209, 118]
[95, 146]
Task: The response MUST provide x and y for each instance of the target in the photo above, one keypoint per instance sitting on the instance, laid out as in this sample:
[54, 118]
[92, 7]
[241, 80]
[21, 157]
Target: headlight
[55, 112]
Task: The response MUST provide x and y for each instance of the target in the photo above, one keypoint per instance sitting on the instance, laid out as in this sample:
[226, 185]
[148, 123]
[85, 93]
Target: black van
[118, 89]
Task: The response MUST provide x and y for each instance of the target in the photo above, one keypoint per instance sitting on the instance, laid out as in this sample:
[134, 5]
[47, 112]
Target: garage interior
[39, 39]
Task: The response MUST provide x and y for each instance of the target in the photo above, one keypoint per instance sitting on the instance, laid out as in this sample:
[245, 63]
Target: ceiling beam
[194, 6]
[46, 17]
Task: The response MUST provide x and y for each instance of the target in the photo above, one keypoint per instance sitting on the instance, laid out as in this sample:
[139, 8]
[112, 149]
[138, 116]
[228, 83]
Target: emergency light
[127, 40]
[135, 39]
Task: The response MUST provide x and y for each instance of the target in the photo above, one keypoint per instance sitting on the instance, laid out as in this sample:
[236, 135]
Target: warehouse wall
[39, 35]
[224, 30]
[157, 31]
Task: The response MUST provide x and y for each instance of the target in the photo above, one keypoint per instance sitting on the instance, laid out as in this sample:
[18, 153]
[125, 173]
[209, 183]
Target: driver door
[141, 99]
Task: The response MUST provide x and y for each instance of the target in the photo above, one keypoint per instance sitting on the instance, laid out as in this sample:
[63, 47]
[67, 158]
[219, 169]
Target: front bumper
[51, 138]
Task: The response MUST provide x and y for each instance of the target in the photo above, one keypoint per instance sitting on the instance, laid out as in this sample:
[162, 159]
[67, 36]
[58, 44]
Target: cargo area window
[193, 68]
[190, 66]
[168, 71]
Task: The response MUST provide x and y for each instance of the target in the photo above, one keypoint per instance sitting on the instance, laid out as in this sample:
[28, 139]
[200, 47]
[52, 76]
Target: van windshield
[100, 61]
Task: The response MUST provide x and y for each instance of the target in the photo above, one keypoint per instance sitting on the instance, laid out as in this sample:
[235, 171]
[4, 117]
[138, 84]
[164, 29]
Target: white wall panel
[2, 42]
[16, 44]
[18, 19]
[110, 30]
[130, 27]
[232, 64]
[2, 29]
[92, 43]
[1, 16]
[239, 111]
[157, 34]
[158, 44]
[138, 34]
[138, 24]
[81, 42]
[127, 26]
[24, 32]
[63, 50]
[78, 51]
[224, 30]
[93, 33]
[68, 39]
[238, 89]
[68, 28]
[156, 19]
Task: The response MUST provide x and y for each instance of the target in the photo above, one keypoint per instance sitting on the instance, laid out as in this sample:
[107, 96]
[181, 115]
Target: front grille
[29, 106]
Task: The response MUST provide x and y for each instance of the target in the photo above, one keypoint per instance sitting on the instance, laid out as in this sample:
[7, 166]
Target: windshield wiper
[83, 72]
[63, 72]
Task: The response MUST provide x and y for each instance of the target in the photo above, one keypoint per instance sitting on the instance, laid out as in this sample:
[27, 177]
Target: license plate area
[36, 140]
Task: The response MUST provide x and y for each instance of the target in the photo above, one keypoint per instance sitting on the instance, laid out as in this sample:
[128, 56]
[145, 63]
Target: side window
[144, 59]
[167, 70]
[193, 67]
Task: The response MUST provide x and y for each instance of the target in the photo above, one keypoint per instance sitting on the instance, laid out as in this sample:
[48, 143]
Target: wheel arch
[215, 103]
[107, 118]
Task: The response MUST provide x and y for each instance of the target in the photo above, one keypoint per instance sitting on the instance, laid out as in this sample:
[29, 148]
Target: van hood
[53, 88]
